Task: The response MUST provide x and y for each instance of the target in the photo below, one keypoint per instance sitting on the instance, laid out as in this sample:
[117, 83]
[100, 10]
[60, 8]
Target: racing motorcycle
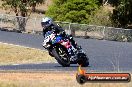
[63, 51]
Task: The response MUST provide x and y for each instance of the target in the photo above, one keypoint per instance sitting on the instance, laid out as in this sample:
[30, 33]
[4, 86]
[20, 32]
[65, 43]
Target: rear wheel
[61, 55]
[83, 60]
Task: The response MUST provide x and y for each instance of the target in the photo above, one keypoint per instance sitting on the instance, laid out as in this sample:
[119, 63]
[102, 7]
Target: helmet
[46, 22]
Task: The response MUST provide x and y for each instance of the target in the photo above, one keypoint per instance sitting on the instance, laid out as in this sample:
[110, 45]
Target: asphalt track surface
[103, 55]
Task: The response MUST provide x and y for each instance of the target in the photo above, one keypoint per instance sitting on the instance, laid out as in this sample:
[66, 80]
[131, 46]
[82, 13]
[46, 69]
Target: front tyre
[51, 54]
[61, 56]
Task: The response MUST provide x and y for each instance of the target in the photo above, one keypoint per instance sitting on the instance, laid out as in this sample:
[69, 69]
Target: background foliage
[101, 17]
[72, 10]
[122, 14]
[79, 11]
[20, 7]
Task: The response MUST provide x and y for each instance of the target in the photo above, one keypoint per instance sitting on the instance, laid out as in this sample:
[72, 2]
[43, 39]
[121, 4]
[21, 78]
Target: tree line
[82, 11]
[78, 11]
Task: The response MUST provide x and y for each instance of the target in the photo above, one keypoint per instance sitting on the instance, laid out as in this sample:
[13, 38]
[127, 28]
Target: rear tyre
[83, 60]
[61, 56]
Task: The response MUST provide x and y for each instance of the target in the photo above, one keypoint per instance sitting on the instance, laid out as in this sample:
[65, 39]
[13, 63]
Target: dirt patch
[36, 76]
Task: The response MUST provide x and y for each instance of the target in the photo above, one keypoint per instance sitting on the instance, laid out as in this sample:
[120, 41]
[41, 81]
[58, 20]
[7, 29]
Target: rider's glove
[63, 33]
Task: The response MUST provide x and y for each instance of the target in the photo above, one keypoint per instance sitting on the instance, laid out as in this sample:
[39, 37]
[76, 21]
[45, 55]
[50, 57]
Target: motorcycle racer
[48, 25]
[62, 46]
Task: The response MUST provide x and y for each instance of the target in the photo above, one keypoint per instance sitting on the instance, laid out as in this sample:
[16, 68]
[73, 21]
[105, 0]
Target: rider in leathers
[48, 25]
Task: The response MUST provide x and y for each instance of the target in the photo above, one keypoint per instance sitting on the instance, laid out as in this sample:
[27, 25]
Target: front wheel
[61, 56]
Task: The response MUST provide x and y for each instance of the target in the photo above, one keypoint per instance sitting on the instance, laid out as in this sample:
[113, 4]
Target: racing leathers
[58, 30]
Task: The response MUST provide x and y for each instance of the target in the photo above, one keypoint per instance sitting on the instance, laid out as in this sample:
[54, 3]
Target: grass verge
[49, 79]
[10, 54]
